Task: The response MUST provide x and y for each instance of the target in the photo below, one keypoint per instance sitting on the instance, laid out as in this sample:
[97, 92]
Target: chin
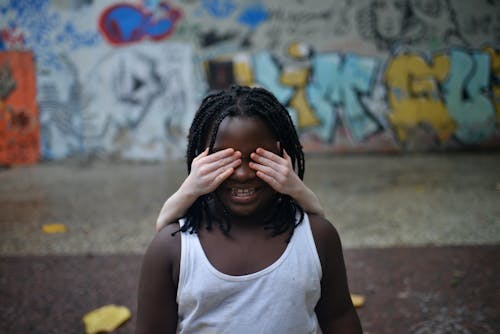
[240, 210]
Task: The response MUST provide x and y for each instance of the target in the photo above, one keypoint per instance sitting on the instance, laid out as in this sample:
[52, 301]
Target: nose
[243, 173]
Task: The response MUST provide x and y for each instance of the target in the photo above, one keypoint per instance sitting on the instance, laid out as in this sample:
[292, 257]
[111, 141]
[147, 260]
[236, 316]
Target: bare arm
[279, 174]
[207, 173]
[335, 311]
[156, 303]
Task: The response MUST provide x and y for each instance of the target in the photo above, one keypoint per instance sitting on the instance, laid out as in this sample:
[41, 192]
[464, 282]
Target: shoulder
[326, 238]
[156, 296]
[323, 231]
[334, 309]
[165, 248]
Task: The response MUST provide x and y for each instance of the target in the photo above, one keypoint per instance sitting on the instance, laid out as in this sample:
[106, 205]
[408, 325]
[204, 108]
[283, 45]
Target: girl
[246, 258]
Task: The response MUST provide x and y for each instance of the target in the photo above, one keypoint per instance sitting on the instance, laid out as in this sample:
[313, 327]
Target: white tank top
[278, 299]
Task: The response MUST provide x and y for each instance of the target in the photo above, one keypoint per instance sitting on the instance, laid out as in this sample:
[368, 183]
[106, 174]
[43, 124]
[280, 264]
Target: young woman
[245, 258]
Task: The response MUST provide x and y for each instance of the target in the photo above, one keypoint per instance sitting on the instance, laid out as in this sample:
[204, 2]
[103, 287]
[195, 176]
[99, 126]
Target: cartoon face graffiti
[389, 16]
[136, 101]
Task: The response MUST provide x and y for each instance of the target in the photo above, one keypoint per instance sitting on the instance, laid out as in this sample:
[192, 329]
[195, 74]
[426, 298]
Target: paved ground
[421, 236]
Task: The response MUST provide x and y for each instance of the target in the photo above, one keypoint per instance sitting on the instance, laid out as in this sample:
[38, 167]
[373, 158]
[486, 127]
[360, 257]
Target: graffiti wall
[123, 78]
[19, 126]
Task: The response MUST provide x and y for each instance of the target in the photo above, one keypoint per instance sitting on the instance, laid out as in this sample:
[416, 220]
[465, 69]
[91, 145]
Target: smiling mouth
[242, 192]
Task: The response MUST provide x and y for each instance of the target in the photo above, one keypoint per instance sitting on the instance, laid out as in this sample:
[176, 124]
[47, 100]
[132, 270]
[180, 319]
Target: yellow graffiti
[298, 50]
[414, 96]
[243, 73]
[495, 68]
[298, 79]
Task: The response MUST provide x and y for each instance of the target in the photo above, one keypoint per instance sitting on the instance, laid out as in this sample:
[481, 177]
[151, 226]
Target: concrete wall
[123, 78]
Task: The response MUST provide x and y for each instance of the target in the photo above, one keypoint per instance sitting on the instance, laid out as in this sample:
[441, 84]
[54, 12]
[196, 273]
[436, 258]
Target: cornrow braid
[250, 102]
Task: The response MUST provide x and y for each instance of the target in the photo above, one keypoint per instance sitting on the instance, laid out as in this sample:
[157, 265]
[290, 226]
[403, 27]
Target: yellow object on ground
[54, 228]
[357, 300]
[420, 188]
[105, 319]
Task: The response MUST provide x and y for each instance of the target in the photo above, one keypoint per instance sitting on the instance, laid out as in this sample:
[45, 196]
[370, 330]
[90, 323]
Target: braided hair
[250, 102]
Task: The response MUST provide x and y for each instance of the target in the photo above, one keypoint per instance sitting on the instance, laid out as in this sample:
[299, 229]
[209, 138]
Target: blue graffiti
[127, 23]
[267, 73]
[340, 81]
[26, 7]
[219, 8]
[45, 32]
[151, 5]
[253, 15]
[465, 96]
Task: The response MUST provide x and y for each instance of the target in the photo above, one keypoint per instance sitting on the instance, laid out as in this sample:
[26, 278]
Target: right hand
[208, 171]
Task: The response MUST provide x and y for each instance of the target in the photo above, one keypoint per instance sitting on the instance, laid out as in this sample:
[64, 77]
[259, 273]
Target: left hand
[276, 171]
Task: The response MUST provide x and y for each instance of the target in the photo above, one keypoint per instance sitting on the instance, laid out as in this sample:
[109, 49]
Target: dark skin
[248, 248]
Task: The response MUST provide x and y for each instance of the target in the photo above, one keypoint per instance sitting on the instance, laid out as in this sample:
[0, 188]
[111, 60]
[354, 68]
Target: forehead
[244, 134]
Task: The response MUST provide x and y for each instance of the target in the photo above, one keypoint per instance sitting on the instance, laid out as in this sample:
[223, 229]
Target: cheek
[267, 192]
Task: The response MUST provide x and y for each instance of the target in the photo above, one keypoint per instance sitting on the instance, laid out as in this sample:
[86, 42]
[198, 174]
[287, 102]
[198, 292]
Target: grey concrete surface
[421, 232]
[374, 201]
[423, 290]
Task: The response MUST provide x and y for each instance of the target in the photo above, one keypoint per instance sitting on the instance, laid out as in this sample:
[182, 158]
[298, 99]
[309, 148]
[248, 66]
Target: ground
[421, 237]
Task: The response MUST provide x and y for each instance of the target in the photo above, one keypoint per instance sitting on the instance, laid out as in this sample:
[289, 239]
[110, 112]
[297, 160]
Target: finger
[219, 155]
[222, 177]
[269, 180]
[269, 155]
[230, 164]
[265, 169]
[285, 161]
[201, 155]
[230, 161]
[287, 157]
[280, 166]
[212, 175]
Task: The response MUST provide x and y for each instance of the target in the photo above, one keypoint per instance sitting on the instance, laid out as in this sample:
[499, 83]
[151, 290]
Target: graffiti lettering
[267, 73]
[414, 94]
[447, 97]
[495, 78]
[465, 97]
[339, 82]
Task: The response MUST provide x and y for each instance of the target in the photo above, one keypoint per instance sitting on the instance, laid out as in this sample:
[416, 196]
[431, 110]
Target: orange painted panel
[19, 121]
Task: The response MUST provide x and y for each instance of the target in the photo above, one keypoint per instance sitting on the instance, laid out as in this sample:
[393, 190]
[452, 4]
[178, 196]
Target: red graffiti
[20, 120]
[11, 38]
[125, 23]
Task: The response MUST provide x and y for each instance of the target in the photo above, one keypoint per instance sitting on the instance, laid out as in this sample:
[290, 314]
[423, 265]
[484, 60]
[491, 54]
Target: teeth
[242, 192]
